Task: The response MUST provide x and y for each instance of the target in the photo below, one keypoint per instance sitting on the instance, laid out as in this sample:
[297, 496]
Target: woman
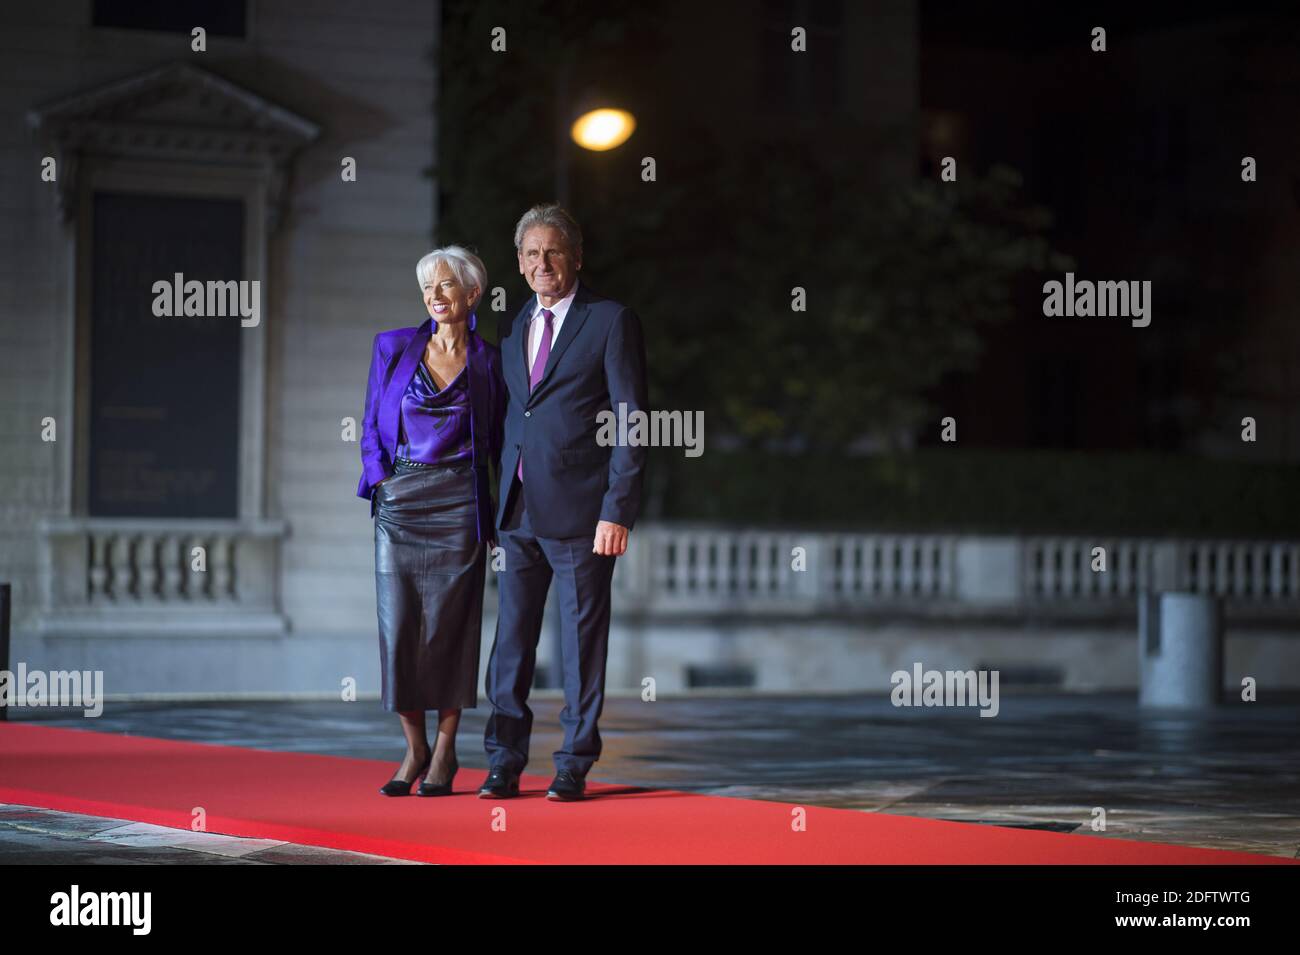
[435, 404]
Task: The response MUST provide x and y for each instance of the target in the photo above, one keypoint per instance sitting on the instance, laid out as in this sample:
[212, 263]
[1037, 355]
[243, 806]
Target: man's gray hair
[552, 214]
[465, 265]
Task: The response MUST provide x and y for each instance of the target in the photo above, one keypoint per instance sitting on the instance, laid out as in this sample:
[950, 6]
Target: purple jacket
[392, 364]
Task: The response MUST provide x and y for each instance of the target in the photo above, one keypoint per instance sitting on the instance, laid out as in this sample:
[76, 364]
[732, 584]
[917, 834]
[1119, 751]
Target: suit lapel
[514, 351]
[391, 404]
[568, 332]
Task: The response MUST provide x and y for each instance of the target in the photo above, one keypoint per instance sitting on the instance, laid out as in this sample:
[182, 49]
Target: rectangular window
[809, 81]
[164, 391]
[217, 17]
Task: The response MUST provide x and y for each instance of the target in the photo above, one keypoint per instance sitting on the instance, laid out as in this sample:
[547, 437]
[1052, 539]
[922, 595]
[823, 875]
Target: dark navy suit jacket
[393, 361]
[596, 363]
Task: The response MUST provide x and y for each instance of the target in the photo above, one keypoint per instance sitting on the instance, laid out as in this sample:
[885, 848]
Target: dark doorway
[164, 391]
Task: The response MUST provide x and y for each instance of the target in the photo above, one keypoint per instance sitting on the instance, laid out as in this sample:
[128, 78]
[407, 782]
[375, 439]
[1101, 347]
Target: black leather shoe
[402, 787]
[500, 784]
[566, 787]
[439, 789]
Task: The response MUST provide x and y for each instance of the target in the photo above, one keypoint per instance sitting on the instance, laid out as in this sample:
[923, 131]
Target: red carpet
[330, 801]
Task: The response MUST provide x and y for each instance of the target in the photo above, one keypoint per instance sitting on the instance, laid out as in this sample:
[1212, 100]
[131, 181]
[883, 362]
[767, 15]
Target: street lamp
[590, 123]
[602, 129]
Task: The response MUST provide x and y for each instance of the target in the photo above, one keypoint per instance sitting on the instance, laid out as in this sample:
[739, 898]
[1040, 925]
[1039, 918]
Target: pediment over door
[177, 112]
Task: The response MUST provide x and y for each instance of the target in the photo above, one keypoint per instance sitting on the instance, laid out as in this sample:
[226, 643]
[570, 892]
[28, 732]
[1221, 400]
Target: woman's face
[446, 299]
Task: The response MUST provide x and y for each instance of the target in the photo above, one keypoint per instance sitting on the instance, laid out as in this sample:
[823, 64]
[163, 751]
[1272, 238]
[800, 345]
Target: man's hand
[611, 539]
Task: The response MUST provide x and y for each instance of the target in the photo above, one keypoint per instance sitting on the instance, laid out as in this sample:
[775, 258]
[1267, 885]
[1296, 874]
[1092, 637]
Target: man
[566, 503]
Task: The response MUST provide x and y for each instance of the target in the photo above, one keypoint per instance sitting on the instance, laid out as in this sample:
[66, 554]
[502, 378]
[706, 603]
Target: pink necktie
[539, 366]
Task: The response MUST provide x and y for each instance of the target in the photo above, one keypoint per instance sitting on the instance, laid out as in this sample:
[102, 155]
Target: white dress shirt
[537, 324]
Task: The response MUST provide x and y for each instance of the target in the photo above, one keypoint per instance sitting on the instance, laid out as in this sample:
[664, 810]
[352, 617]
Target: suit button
[528, 414]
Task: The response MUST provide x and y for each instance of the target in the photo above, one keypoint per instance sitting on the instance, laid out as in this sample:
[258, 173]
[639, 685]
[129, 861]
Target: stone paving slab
[32, 835]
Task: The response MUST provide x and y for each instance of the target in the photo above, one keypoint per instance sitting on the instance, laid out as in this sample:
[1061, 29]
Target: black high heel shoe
[439, 789]
[402, 787]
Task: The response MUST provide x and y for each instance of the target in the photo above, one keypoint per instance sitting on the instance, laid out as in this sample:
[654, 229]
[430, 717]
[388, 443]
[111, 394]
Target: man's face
[547, 263]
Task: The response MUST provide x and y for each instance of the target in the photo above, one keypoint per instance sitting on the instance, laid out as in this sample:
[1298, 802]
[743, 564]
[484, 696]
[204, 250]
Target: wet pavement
[1226, 779]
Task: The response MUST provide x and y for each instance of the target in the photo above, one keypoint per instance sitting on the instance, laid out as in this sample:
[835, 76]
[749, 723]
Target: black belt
[408, 463]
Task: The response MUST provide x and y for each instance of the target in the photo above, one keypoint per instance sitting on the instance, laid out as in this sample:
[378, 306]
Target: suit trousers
[582, 580]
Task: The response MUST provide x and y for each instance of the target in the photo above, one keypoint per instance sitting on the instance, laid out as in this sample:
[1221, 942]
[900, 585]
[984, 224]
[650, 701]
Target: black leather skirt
[430, 569]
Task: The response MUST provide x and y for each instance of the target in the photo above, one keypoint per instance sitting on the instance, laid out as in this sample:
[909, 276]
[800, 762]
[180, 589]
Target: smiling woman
[452, 280]
[435, 403]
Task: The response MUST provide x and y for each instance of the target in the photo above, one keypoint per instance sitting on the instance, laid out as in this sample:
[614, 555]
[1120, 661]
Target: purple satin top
[434, 425]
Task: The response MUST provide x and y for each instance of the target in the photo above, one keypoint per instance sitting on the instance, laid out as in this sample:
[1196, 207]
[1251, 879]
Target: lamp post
[598, 128]
[594, 125]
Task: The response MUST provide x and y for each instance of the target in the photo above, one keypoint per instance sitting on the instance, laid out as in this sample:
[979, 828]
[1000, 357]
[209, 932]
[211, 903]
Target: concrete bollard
[1180, 649]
